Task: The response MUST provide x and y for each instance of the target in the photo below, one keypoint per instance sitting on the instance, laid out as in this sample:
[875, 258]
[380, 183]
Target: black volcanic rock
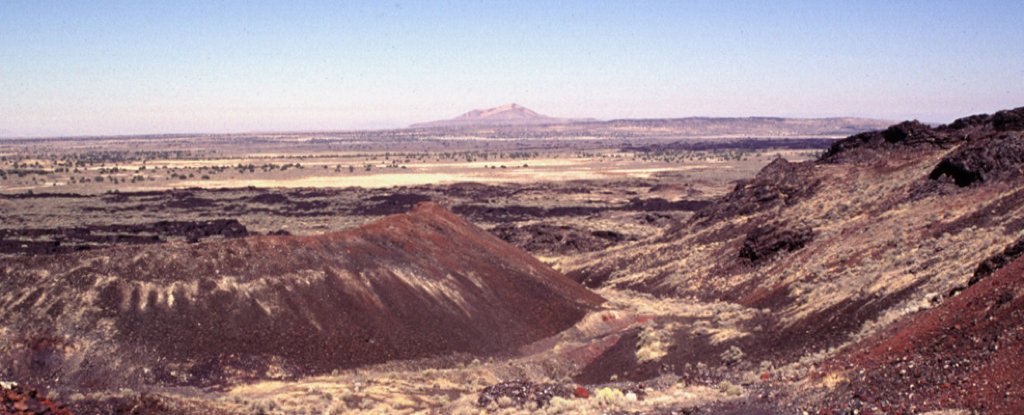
[552, 239]
[909, 132]
[971, 121]
[657, 204]
[1005, 120]
[780, 183]
[910, 135]
[869, 145]
[994, 263]
[765, 242]
[390, 204]
[44, 241]
[996, 157]
[1009, 120]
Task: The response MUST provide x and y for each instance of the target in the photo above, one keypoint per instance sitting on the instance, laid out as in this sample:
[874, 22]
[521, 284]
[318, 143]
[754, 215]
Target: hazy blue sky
[84, 67]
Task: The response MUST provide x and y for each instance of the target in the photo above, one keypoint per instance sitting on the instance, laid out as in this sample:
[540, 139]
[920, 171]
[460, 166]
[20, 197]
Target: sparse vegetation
[716, 291]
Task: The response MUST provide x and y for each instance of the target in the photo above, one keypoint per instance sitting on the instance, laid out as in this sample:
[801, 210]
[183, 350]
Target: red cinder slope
[425, 283]
[966, 353]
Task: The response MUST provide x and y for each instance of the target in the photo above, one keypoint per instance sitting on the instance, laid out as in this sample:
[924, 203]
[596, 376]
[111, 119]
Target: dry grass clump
[654, 342]
[732, 355]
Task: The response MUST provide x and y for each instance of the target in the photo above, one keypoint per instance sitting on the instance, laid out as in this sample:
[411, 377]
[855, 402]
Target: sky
[140, 67]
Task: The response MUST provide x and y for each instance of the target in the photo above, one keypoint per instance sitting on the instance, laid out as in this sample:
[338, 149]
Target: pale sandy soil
[334, 172]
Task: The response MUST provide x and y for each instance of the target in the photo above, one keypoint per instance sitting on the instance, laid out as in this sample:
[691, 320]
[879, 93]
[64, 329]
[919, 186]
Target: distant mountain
[743, 126]
[510, 114]
[525, 121]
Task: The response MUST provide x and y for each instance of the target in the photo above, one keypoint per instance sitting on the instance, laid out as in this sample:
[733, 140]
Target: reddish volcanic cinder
[411, 285]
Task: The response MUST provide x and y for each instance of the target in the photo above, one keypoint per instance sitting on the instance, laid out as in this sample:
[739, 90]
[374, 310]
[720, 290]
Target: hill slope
[412, 285]
[825, 253]
[961, 354]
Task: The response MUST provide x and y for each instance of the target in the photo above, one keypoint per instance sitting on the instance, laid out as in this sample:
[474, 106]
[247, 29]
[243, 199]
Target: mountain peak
[508, 114]
[507, 111]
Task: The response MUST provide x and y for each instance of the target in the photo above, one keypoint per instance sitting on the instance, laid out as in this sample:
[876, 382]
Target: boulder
[765, 242]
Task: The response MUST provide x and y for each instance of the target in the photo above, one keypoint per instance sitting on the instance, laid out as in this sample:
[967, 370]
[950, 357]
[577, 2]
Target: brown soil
[965, 353]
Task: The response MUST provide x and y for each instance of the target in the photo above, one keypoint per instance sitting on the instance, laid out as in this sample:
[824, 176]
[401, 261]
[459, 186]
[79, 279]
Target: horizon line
[409, 127]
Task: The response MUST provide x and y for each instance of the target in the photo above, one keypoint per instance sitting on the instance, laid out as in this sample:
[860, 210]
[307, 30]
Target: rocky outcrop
[872, 145]
[765, 242]
[1005, 120]
[1009, 120]
[992, 264]
[986, 148]
[780, 183]
[992, 158]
